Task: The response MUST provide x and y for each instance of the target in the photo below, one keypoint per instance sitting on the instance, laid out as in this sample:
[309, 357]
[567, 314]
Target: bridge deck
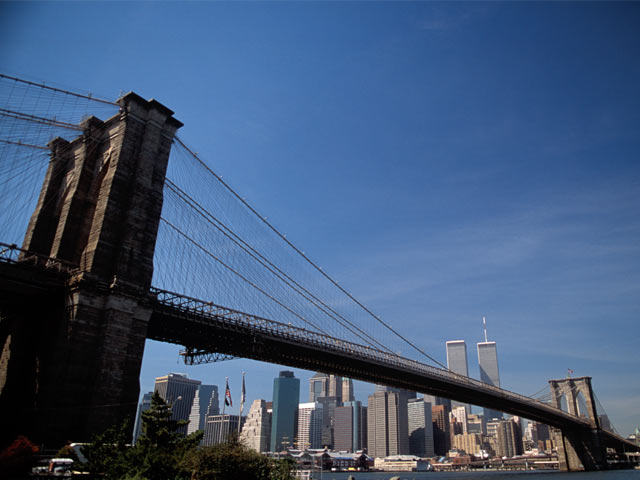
[205, 327]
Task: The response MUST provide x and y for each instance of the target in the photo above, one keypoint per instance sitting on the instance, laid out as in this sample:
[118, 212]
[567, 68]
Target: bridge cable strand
[276, 271]
[59, 90]
[31, 115]
[544, 390]
[238, 274]
[603, 416]
[304, 256]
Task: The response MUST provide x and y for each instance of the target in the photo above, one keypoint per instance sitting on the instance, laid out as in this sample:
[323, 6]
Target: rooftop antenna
[484, 324]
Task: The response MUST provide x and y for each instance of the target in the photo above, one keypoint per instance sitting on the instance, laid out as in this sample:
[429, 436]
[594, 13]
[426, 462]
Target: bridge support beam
[99, 208]
[578, 449]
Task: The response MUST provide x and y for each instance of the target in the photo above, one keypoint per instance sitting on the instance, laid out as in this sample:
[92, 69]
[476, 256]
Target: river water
[482, 475]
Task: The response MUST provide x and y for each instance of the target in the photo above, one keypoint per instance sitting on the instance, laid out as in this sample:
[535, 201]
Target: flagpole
[242, 395]
[224, 404]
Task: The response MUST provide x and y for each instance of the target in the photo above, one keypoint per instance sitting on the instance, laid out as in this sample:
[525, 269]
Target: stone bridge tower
[577, 451]
[71, 368]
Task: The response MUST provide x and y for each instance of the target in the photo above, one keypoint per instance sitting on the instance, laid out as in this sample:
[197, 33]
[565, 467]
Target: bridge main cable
[304, 256]
[274, 269]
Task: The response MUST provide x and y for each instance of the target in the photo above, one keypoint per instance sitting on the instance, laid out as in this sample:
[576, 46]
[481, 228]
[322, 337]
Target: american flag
[227, 395]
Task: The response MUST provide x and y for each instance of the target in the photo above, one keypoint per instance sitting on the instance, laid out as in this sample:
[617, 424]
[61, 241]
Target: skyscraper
[329, 405]
[387, 422]
[144, 406]
[256, 431]
[420, 428]
[348, 394]
[457, 363]
[460, 415]
[205, 403]
[318, 386]
[178, 390]
[433, 400]
[309, 425]
[218, 428]
[488, 362]
[457, 357]
[350, 430]
[506, 439]
[441, 430]
[335, 387]
[286, 396]
[326, 385]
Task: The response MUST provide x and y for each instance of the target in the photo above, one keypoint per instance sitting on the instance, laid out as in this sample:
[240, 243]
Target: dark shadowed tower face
[74, 359]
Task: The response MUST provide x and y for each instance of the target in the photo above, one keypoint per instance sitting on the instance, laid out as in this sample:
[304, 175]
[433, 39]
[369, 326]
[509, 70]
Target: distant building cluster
[395, 427]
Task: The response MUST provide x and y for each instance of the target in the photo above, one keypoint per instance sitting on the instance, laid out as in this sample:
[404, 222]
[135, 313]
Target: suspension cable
[67, 92]
[302, 254]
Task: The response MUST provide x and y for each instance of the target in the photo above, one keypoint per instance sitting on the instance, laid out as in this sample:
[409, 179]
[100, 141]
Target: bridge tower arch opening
[563, 404]
[581, 406]
[578, 449]
[72, 354]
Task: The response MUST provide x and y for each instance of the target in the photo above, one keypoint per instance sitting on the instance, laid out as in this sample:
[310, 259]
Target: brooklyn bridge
[115, 231]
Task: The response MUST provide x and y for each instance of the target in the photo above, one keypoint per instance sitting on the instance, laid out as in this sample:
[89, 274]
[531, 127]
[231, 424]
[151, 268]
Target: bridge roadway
[205, 328]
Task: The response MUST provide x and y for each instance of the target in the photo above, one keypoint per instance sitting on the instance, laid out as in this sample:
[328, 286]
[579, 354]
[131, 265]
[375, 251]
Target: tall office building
[457, 363]
[387, 424]
[433, 400]
[488, 362]
[318, 386]
[205, 403]
[335, 387]
[441, 429]
[286, 396]
[329, 405]
[145, 404]
[420, 427]
[326, 385]
[460, 414]
[256, 431]
[518, 434]
[474, 424]
[348, 394]
[218, 428]
[457, 357]
[309, 425]
[350, 430]
[507, 439]
[178, 390]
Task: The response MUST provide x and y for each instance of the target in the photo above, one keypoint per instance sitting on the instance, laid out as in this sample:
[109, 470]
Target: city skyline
[439, 172]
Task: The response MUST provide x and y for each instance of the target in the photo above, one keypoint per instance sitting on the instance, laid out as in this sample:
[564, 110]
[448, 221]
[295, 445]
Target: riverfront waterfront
[484, 475]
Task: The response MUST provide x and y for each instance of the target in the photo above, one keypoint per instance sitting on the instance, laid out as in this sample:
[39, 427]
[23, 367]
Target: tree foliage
[160, 449]
[109, 453]
[232, 460]
[161, 453]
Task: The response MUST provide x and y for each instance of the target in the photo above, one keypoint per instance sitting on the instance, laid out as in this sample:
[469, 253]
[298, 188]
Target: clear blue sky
[443, 161]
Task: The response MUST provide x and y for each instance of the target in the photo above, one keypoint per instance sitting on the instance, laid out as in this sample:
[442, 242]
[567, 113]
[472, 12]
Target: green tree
[232, 461]
[159, 451]
[109, 454]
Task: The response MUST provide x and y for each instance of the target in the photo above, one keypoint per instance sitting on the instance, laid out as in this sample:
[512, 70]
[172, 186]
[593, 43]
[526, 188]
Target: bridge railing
[208, 312]
[11, 253]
